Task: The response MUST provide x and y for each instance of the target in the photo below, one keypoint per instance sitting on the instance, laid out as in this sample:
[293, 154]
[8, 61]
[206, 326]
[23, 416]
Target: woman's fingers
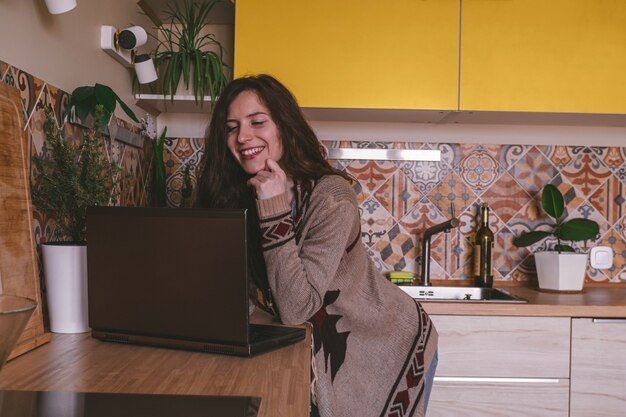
[270, 182]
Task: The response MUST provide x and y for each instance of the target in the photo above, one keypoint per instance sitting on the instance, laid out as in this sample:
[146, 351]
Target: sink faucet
[441, 227]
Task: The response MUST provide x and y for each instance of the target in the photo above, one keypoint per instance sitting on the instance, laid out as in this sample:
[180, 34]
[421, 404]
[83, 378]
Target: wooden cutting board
[18, 266]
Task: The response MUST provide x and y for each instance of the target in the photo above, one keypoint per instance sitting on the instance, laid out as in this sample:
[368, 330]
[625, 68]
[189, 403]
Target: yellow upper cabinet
[392, 54]
[543, 55]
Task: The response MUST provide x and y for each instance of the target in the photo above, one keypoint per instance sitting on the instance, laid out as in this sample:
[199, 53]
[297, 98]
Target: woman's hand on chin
[270, 182]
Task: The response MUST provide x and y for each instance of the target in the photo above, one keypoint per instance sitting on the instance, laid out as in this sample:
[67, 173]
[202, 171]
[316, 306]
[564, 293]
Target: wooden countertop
[592, 302]
[80, 363]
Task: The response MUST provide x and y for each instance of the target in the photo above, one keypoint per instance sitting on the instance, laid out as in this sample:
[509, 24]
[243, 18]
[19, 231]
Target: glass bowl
[14, 314]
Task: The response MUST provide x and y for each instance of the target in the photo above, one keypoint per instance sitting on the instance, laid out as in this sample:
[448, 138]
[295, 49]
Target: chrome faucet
[428, 233]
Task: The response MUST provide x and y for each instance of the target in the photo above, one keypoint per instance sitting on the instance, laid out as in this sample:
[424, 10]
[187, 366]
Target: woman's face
[252, 134]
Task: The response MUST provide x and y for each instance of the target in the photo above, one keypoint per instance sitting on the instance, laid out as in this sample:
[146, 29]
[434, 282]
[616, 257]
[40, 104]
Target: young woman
[374, 347]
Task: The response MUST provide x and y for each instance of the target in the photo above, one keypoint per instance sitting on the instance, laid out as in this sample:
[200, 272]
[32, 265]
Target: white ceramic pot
[65, 270]
[60, 6]
[561, 271]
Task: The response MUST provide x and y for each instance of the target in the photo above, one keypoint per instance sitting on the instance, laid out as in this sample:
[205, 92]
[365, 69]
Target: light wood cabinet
[501, 366]
[511, 398]
[598, 380]
[500, 346]
[543, 56]
[396, 54]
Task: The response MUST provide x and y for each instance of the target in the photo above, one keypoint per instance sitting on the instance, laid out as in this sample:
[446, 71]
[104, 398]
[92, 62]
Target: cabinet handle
[611, 321]
[497, 380]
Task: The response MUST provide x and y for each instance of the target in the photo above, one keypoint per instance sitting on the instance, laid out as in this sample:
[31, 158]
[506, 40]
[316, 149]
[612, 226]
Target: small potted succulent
[562, 268]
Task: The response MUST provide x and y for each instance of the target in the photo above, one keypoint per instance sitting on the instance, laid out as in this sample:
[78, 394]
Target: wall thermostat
[601, 257]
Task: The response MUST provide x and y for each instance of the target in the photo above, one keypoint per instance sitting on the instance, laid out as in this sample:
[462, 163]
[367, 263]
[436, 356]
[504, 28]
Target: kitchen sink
[461, 294]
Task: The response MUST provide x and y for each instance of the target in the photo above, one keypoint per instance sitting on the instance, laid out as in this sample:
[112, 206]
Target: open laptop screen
[172, 273]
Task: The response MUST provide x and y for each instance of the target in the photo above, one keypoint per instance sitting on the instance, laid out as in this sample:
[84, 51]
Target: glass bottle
[483, 252]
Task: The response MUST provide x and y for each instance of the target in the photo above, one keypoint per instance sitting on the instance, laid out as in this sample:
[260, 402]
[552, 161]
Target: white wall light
[60, 6]
[144, 68]
[122, 46]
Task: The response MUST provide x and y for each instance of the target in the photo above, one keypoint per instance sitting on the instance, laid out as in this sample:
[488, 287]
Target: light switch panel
[601, 257]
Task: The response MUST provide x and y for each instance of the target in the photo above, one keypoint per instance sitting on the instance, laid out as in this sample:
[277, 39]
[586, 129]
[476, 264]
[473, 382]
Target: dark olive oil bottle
[483, 252]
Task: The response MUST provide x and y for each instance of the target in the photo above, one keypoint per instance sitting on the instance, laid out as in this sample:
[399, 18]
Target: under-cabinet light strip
[385, 154]
[498, 380]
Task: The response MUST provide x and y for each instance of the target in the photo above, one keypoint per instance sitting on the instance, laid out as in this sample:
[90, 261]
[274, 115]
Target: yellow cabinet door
[543, 55]
[392, 54]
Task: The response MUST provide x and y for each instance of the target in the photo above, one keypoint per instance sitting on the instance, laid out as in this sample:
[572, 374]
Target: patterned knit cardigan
[372, 343]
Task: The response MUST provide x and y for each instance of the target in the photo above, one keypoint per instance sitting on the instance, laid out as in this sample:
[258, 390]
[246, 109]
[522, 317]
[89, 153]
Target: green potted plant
[560, 269]
[84, 100]
[65, 182]
[185, 49]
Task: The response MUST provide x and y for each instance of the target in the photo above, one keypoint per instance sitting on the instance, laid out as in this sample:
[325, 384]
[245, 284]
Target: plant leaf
[527, 239]
[126, 109]
[552, 201]
[81, 93]
[105, 96]
[579, 229]
[563, 248]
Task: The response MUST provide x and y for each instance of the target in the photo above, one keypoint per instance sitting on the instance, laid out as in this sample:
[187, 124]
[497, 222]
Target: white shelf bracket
[107, 43]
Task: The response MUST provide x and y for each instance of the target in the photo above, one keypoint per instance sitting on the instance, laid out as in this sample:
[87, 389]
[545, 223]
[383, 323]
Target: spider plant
[185, 48]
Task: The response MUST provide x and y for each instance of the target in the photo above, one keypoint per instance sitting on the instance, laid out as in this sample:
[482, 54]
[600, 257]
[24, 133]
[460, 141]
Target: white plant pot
[65, 270]
[561, 271]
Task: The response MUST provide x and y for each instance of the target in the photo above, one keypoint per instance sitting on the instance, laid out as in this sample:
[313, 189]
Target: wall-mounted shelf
[157, 104]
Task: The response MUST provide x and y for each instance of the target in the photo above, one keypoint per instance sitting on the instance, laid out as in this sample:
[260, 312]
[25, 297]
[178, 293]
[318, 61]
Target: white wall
[64, 50]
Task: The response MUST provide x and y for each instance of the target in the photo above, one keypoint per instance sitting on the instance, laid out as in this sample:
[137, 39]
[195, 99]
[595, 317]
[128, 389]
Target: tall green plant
[183, 50]
[71, 178]
[158, 183]
[572, 230]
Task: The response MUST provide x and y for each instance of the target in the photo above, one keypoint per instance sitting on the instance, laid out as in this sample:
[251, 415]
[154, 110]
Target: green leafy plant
[184, 48]
[85, 99]
[158, 183]
[572, 230]
[187, 189]
[71, 178]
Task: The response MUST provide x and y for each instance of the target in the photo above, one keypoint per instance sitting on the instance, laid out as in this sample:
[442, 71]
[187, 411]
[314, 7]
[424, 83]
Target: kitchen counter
[592, 302]
[80, 363]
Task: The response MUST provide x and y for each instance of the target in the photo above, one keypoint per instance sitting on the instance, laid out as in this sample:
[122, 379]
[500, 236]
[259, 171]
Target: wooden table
[80, 363]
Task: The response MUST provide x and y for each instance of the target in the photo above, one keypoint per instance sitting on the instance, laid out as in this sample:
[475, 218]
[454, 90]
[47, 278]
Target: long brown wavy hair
[222, 181]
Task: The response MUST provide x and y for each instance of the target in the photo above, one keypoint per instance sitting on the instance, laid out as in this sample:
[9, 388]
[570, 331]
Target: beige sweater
[372, 342]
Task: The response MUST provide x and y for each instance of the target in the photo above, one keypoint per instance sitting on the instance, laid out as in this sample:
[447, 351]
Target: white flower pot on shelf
[65, 270]
[561, 271]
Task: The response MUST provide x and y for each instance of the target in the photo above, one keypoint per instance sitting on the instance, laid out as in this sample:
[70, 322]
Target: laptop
[174, 278]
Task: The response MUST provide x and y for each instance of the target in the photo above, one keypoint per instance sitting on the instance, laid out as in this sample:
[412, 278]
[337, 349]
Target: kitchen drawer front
[598, 368]
[473, 398]
[498, 346]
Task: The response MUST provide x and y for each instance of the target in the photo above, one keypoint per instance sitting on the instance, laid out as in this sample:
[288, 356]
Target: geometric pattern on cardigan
[276, 231]
[409, 387]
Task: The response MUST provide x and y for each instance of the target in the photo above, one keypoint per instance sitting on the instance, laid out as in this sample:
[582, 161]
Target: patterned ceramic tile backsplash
[400, 199]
